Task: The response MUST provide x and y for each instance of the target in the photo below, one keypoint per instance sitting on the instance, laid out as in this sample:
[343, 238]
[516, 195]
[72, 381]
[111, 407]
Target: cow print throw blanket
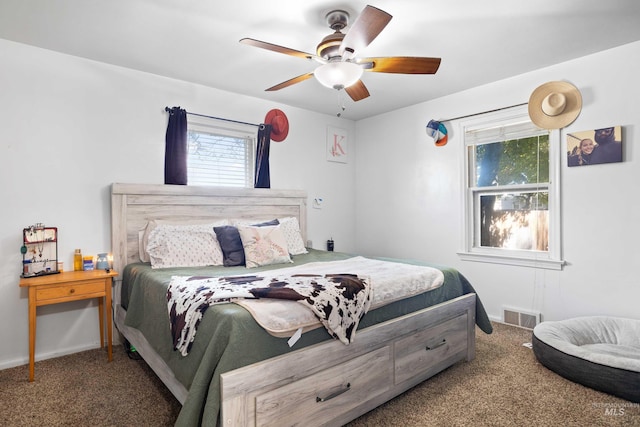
[338, 300]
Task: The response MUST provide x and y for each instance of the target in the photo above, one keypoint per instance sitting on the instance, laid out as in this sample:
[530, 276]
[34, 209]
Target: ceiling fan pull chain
[341, 106]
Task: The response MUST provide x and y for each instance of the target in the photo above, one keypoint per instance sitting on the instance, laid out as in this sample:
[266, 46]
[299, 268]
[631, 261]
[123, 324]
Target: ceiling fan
[340, 68]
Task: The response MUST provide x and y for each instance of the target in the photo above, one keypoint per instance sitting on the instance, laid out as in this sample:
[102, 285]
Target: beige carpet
[503, 386]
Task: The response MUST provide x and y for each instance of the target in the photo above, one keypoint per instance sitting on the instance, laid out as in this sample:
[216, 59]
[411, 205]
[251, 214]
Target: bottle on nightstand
[77, 261]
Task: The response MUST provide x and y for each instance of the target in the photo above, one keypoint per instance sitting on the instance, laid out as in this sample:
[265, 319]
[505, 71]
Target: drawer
[430, 350]
[71, 291]
[316, 399]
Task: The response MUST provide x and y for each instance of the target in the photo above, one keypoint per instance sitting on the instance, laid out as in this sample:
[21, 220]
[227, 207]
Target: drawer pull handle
[72, 291]
[440, 344]
[334, 394]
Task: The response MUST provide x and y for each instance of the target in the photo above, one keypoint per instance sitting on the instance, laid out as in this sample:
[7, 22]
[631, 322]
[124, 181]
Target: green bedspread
[228, 337]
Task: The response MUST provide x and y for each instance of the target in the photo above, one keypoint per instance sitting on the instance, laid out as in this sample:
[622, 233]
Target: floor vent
[523, 319]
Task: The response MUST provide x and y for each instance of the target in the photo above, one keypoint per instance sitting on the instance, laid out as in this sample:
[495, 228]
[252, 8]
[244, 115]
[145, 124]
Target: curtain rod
[484, 112]
[168, 110]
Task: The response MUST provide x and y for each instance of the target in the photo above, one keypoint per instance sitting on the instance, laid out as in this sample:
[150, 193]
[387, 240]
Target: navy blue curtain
[175, 154]
[263, 179]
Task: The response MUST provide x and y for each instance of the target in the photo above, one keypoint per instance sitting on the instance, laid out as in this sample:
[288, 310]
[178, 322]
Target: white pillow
[143, 234]
[263, 245]
[183, 246]
[291, 230]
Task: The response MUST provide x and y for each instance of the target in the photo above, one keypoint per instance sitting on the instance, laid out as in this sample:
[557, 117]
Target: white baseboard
[495, 318]
[6, 364]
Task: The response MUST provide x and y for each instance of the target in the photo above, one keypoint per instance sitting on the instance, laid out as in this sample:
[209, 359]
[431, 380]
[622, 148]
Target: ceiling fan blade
[290, 82]
[357, 91]
[365, 28]
[401, 64]
[280, 49]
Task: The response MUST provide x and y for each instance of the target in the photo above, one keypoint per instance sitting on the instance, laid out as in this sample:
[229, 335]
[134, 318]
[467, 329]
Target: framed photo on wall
[592, 147]
[337, 145]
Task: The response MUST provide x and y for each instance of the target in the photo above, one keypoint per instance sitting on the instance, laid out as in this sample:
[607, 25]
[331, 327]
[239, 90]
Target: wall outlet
[317, 202]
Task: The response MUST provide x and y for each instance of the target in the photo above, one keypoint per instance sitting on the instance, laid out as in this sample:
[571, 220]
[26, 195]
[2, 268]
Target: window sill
[510, 260]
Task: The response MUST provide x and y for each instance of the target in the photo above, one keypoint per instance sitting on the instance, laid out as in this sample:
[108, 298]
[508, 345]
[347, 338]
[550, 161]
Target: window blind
[484, 135]
[218, 159]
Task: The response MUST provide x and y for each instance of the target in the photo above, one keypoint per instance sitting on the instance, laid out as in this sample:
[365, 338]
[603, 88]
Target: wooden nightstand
[64, 287]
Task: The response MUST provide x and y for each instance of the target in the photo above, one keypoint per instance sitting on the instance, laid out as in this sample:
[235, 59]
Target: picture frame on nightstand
[39, 251]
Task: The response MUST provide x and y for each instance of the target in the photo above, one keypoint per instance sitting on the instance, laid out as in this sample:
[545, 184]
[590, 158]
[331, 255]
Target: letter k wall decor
[337, 145]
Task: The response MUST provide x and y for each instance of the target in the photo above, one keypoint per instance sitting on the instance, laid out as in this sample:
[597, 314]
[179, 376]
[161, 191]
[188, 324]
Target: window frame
[551, 259]
[211, 126]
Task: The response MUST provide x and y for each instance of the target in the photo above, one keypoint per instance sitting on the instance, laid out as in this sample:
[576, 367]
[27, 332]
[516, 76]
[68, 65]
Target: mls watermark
[616, 409]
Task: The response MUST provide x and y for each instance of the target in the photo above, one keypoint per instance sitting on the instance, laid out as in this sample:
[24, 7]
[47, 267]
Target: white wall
[409, 198]
[71, 127]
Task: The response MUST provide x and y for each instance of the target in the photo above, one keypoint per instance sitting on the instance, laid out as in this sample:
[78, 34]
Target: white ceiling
[197, 41]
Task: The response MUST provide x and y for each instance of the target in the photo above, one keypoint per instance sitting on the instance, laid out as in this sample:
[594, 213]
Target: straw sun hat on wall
[554, 105]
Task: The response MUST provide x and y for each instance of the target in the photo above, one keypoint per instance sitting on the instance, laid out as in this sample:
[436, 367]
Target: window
[220, 155]
[511, 191]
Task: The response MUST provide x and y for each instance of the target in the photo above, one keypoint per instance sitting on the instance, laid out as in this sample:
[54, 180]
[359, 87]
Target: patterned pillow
[231, 244]
[184, 246]
[291, 230]
[263, 245]
[143, 234]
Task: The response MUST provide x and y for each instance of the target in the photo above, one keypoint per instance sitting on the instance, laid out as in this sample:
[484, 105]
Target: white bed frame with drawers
[325, 384]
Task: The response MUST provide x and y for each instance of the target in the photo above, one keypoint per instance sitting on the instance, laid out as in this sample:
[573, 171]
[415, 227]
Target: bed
[238, 374]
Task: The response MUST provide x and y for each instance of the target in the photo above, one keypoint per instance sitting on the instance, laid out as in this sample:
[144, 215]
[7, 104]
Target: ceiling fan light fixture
[338, 51]
[338, 74]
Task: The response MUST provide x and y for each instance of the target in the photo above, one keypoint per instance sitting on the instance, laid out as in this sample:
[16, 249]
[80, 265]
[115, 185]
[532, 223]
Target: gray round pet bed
[599, 352]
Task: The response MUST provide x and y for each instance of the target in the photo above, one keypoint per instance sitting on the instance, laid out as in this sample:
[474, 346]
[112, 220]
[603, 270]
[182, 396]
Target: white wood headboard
[133, 205]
